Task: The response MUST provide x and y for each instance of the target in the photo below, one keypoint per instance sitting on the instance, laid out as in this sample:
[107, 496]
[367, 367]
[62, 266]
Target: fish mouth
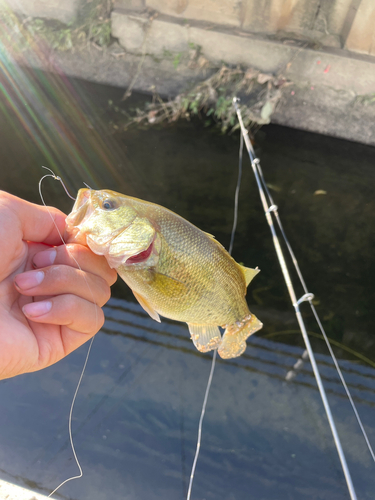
[81, 211]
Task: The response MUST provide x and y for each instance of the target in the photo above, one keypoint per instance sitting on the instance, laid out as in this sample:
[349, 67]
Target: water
[136, 417]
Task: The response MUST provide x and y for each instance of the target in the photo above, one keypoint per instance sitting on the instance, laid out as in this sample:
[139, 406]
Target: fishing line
[235, 218]
[200, 424]
[55, 177]
[70, 423]
[268, 210]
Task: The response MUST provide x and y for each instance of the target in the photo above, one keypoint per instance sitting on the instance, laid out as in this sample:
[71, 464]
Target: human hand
[48, 306]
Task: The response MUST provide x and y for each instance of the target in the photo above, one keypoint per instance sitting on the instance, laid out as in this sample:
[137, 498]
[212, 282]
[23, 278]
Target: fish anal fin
[249, 273]
[147, 307]
[205, 337]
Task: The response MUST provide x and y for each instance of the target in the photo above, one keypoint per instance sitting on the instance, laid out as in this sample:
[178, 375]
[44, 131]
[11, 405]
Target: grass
[92, 25]
[366, 99]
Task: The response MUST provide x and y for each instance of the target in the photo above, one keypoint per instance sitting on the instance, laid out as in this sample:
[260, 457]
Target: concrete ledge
[327, 111]
[9, 491]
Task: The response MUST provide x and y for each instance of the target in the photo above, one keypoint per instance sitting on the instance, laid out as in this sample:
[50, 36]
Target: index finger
[37, 223]
[77, 256]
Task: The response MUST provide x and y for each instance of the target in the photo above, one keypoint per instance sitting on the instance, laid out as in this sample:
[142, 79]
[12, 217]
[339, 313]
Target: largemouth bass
[173, 268]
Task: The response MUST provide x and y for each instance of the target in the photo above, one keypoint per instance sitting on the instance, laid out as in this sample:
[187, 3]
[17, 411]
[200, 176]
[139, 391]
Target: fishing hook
[57, 178]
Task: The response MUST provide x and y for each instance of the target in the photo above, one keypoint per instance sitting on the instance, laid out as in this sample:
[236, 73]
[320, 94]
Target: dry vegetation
[212, 100]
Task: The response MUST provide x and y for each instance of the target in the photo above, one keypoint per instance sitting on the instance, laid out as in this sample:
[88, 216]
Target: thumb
[37, 223]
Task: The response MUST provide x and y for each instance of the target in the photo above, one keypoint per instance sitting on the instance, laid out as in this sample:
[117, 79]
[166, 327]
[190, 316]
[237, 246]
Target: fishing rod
[268, 210]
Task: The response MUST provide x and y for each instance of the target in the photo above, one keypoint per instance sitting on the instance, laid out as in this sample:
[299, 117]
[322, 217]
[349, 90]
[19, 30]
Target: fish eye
[109, 204]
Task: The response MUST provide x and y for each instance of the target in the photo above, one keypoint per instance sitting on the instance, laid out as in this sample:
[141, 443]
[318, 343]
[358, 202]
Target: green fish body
[173, 268]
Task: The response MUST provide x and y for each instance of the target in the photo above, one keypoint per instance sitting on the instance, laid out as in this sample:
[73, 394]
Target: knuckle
[71, 303]
[113, 277]
[101, 319]
[86, 317]
[106, 294]
[70, 248]
[71, 254]
[59, 276]
[97, 320]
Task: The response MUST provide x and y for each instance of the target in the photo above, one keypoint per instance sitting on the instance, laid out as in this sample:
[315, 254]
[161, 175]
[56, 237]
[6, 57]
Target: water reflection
[136, 419]
[126, 319]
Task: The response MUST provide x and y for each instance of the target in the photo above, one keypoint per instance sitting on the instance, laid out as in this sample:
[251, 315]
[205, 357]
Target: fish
[174, 269]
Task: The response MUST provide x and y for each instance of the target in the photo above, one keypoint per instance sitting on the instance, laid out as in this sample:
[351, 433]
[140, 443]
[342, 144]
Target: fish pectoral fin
[249, 273]
[205, 337]
[147, 307]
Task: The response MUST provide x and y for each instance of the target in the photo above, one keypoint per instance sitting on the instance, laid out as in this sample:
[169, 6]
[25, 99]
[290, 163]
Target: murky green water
[136, 416]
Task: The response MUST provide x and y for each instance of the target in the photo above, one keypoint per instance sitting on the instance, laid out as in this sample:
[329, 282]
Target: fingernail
[29, 279]
[45, 258]
[35, 309]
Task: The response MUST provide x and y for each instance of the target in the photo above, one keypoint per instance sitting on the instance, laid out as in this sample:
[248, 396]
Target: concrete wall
[361, 37]
[346, 24]
[64, 10]
[326, 48]
[165, 39]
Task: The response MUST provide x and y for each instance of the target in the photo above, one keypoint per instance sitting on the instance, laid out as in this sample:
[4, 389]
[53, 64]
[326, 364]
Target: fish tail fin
[233, 342]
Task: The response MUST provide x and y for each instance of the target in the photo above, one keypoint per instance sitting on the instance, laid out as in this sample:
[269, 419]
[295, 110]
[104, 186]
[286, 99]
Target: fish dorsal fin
[210, 235]
[147, 307]
[212, 238]
[249, 273]
[205, 337]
